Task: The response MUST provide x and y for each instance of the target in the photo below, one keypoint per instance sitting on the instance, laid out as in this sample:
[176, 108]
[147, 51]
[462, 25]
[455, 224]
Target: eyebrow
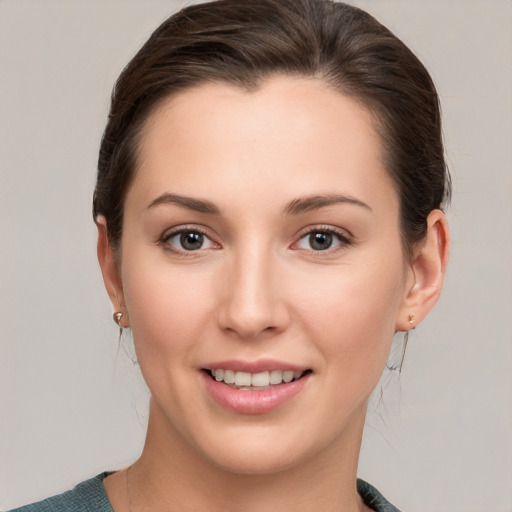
[310, 203]
[190, 203]
[295, 207]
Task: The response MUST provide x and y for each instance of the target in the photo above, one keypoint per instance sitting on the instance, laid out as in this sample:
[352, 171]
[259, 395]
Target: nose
[251, 301]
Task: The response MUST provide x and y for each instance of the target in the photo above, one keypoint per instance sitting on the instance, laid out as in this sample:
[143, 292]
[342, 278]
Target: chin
[260, 462]
[266, 450]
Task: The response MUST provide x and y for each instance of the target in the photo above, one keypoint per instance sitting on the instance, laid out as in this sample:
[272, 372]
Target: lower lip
[250, 401]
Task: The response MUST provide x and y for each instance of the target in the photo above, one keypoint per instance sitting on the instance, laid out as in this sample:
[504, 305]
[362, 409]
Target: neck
[172, 475]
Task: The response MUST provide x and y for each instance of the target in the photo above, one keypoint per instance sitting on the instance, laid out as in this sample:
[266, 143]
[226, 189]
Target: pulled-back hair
[243, 43]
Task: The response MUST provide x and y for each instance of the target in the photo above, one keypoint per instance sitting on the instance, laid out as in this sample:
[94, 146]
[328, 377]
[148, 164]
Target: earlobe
[110, 271]
[428, 267]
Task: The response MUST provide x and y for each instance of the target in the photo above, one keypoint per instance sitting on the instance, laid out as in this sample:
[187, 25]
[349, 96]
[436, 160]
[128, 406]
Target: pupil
[320, 241]
[191, 241]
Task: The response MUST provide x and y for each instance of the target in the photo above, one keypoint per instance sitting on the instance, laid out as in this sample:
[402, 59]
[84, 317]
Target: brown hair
[243, 42]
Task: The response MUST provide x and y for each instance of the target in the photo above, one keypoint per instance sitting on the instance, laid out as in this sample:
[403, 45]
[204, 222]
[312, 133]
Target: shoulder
[373, 498]
[88, 496]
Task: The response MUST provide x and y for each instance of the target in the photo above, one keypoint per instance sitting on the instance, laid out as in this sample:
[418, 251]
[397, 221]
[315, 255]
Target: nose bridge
[252, 301]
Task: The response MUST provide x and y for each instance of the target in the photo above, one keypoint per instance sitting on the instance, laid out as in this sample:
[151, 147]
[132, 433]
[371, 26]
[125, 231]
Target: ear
[426, 273]
[111, 272]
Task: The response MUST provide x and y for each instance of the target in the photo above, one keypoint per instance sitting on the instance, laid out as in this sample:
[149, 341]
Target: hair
[245, 42]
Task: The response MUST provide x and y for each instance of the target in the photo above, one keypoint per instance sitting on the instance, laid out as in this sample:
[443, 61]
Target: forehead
[292, 134]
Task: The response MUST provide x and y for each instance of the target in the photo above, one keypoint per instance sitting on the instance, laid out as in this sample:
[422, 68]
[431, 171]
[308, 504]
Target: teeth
[276, 377]
[256, 380]
[260, 379]
[229, 376]
[288, 376]
[242, 379]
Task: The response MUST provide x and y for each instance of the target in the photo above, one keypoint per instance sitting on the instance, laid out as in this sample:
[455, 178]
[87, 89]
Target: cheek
[351, 313]
[167, 309]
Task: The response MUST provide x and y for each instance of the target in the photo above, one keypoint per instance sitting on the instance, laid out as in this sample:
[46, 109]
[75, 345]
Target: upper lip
[262, 365]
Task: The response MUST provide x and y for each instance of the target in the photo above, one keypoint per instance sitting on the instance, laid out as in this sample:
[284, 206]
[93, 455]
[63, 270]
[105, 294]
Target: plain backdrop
[72, 404]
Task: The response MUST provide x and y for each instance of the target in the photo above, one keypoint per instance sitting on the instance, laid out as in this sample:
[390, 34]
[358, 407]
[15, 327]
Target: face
[261, 243]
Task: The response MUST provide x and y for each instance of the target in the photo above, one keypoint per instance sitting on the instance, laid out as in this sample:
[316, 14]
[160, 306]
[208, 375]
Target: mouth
[254, 387]
[255, 381]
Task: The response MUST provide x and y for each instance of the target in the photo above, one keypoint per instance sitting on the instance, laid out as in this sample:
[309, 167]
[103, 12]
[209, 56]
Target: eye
[322, 240]
[188, 240]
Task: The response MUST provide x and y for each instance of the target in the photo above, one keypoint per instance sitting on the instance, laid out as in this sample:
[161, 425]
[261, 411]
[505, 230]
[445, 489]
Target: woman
[268, 205]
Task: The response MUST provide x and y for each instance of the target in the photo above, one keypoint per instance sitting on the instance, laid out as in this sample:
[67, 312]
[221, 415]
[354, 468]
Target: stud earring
[117, 318]
[411, 319]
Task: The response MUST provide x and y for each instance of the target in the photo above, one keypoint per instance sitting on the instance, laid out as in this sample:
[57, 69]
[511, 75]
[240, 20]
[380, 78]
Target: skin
[257, 289]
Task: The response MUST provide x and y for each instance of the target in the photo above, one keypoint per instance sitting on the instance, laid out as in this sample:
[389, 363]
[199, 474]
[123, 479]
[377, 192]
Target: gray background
[72, 404]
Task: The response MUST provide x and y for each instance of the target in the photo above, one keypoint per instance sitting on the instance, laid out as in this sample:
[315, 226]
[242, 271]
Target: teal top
[90, 496]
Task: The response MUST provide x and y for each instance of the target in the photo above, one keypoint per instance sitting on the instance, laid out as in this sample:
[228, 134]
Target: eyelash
[343, 239]
[165, 240]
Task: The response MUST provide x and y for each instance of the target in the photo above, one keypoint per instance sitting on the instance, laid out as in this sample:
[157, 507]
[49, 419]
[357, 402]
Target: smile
[259, 391]
[261, 380]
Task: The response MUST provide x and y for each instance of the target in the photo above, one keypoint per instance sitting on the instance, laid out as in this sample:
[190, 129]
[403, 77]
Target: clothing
[373, 498]
[90, 496]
